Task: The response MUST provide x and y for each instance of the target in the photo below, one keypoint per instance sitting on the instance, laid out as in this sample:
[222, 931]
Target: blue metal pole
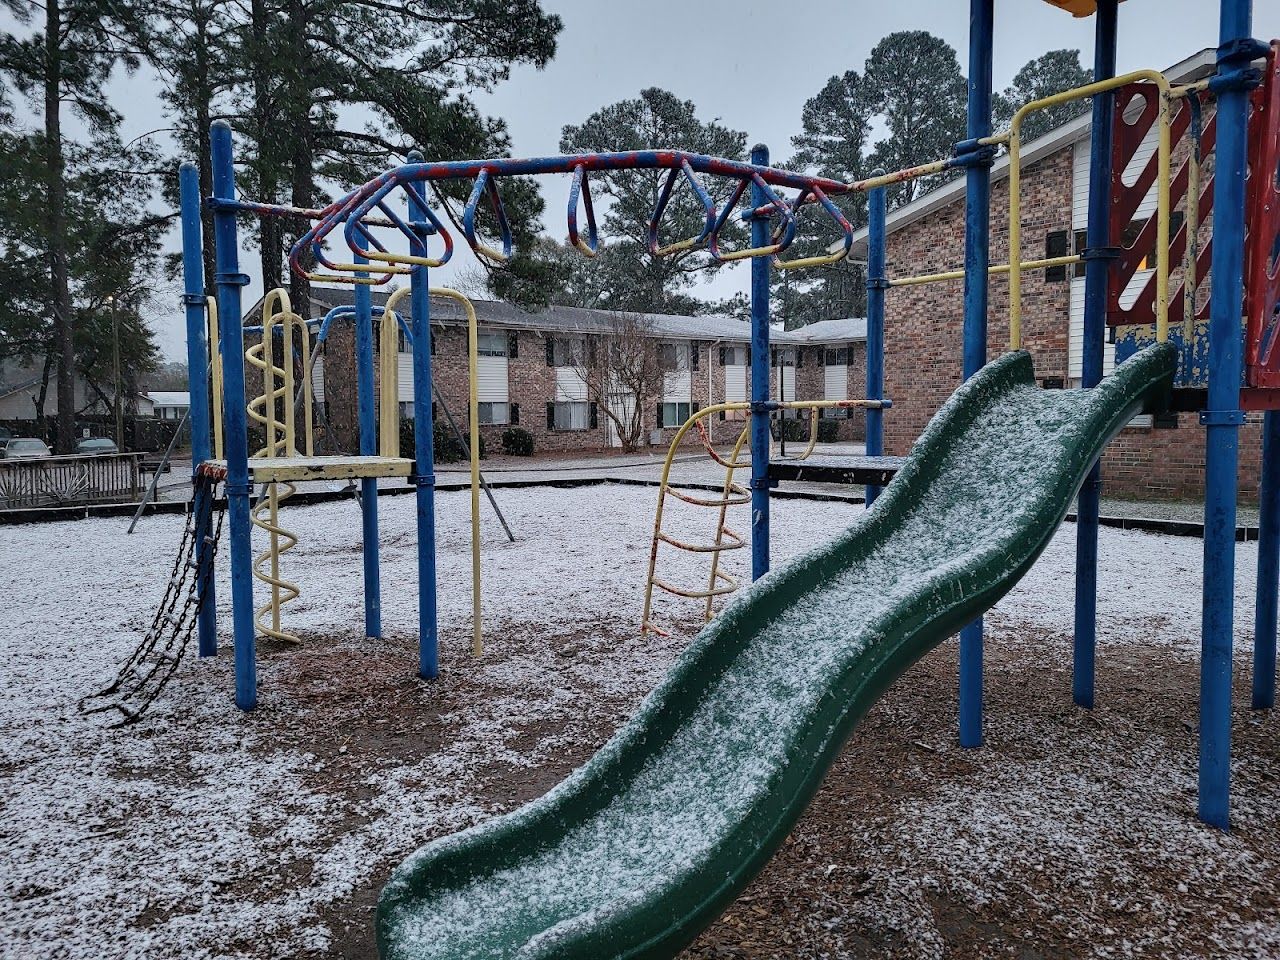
[1223, 417]
[198, 385]
[239, 490]
[1096, 270]
[1264, 626]
[977, 255]
[759, 379]
[876, 213]
[368, 447]
[424, 453]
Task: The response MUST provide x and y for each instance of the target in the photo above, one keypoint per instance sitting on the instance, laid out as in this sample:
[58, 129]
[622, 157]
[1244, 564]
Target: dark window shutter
[595, 421]
[1055, 245]
[551, 415]
[722, 412]
[722, 356]
[432, 334]
[799, 357]
[591, 352]
[773, 356]
[659, 422]
[693, 354]
[513, 345]
[515, 413]
[551, 352]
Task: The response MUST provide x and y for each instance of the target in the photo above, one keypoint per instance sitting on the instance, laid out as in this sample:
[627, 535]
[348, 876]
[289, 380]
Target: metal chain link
[148, 670]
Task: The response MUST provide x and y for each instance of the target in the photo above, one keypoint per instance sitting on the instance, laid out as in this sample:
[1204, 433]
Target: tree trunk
[270, 234]
[204, 159]
[302, 186]
[56, 219]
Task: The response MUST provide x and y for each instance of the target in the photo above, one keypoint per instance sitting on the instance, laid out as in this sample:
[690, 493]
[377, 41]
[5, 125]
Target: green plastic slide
[641, 848]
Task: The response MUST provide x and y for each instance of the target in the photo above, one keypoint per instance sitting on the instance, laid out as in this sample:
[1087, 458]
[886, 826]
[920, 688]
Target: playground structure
[721, 760]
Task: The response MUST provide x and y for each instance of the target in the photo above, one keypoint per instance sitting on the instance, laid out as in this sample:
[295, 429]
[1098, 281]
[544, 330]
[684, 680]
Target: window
[571, 415]
[491, 344]
[406, 409]
[673, 414]
[566, 351]
[673, 356]
[494, 413]
[736, 355]
[786, 357]
[1055, 245]
[837, 356]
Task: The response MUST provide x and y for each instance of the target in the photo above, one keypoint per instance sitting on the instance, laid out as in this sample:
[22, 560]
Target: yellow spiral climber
[274, 409]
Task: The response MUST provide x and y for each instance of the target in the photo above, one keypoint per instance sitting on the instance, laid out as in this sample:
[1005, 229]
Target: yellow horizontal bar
[293, 469]
[996, 270]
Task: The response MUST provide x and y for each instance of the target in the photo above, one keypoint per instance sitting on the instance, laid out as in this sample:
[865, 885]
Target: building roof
[170, 398]
[579, 320]
[1195, 67]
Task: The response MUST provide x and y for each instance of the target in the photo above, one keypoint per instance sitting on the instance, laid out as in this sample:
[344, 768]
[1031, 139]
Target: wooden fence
[66, 481]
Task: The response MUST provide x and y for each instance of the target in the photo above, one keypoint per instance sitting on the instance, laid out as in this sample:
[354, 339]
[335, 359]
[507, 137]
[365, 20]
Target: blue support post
[876, 282]
[1223, 417]
[977, 255]
[368, 420]
[1096, 271]
[239, 490]
[198, 385]
[1264, 625]
[424, 454]
[759, 379]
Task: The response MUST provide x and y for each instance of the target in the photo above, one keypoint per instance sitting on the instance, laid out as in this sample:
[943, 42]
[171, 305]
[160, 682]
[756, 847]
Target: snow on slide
[643, 846]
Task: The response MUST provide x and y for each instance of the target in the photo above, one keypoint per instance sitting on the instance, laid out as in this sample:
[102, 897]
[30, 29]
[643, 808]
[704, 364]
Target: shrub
[517, 442]
[828, 431]
[795, 430]
[445, 442]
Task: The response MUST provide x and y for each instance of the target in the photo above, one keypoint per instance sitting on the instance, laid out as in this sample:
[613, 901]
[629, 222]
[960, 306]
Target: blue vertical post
[876, 281]
[1264, 625]
[198, 385]
[239, 490]
[1223, 417]
[759, 379]
[1096, 271]
[368, 420]
[977, 256]
[424, 453]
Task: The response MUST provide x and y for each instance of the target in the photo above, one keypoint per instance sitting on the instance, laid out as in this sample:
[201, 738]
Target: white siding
[735, 384]
[787, 383]
[491, 379]
[835, 384]
[677, 386]
[570, 386]
[1075, 362]
[317, 379]
[404, 377]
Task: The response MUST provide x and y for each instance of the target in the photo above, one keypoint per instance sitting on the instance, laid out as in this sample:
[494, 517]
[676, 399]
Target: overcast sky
[750, 65]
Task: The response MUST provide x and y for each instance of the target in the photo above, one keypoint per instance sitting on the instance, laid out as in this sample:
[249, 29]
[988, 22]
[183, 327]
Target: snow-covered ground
[202, 832]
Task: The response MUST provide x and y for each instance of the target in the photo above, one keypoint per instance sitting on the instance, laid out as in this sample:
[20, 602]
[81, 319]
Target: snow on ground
[204, 833]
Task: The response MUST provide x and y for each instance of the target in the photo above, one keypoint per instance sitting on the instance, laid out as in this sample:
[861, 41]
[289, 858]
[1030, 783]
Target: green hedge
[517, 442]
[445, 442]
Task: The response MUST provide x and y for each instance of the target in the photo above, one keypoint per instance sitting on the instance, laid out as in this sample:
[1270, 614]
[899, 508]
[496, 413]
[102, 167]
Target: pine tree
[626, 276]
[71, 50]
[1054, 72]
[919, 93]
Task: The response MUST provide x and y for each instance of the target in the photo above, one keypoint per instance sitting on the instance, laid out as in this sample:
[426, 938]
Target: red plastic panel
[1127, 198]
[1262, 249]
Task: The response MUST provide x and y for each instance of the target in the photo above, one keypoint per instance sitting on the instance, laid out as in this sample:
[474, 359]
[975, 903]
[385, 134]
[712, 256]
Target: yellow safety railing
[996, 270]
[731, 494]
[215, 366]
[389, 416]
[1012, 139]
[281, 439]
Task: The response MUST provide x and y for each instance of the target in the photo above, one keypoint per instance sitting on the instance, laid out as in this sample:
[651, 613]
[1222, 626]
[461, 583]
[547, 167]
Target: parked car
[25, 448]
[96, 445]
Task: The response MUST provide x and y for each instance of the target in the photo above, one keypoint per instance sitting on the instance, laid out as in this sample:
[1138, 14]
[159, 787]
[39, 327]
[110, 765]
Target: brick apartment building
[527, 378]
[924, 323]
